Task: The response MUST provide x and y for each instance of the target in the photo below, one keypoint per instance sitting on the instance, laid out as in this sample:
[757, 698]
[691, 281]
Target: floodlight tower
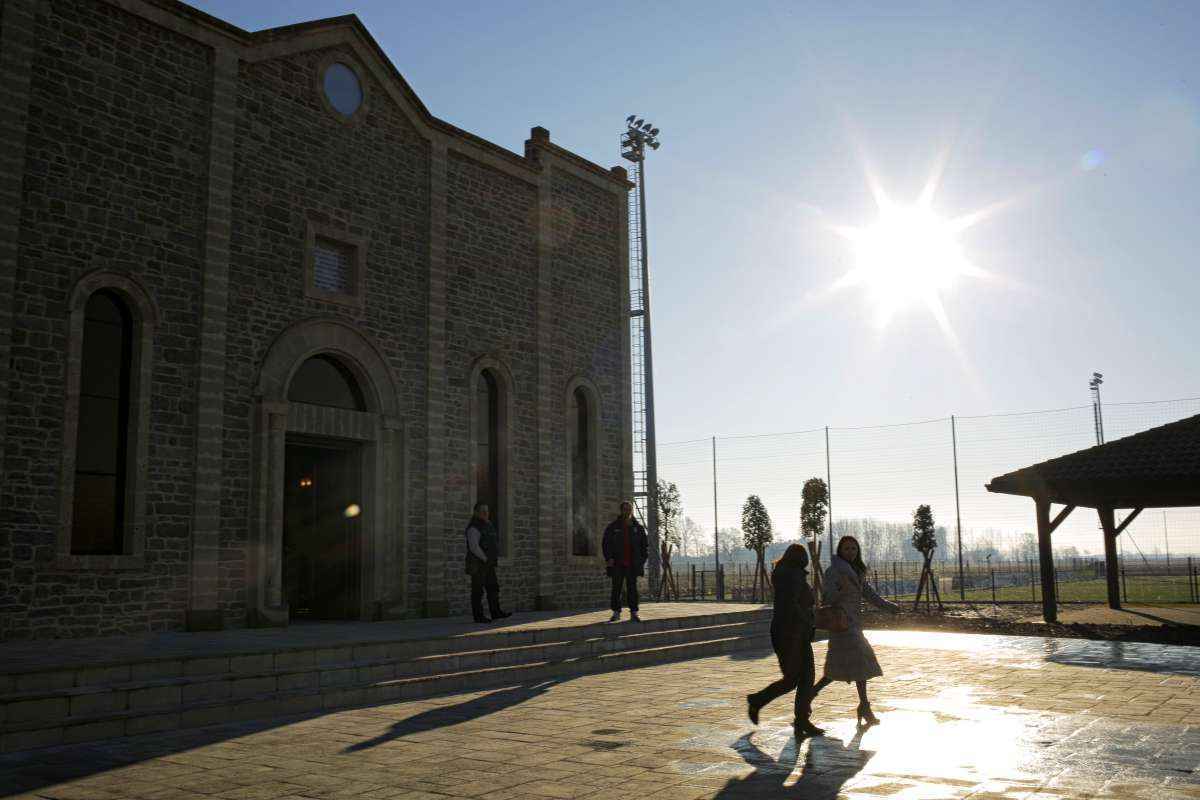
[1097, 413]
[638, 136]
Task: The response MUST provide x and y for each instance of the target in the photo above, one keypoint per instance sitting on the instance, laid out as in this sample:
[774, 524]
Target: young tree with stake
[813, 508]
[757, 533]
[924, 541]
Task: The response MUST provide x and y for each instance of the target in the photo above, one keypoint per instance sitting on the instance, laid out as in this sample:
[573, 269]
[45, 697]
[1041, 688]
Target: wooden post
[1046, 560]
[1111, 564]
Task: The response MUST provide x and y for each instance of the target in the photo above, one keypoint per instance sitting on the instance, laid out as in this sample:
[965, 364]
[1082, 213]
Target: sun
[910, 257]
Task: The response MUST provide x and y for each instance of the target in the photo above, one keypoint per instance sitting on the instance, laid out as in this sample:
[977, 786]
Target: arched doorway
[328, 540]
[323, 498]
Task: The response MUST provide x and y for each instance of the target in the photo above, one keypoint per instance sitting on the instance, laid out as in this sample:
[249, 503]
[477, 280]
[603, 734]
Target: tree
[757, 535]
[813, 508]
[729, 541]
[690, 537]
[668, 512]
[667, 498]
[924, 541]
[1025, 548]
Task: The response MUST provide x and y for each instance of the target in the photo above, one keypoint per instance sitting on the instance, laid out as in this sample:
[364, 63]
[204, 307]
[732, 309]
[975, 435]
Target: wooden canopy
[1158, 468]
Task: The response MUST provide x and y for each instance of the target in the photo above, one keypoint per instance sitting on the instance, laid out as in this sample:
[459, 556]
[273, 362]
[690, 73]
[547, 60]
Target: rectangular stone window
[334, 264]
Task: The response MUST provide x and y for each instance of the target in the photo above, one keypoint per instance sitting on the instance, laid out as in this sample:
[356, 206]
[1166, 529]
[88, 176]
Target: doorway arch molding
[381, 432]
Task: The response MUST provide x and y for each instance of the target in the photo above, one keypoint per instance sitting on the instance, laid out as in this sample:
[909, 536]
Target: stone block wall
[122, 165]
[113, 179]
[491, 299]
[586, 289]
[295, 163]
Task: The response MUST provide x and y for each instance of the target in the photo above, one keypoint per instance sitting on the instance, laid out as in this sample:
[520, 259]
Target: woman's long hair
[857, 563]
[794, 556]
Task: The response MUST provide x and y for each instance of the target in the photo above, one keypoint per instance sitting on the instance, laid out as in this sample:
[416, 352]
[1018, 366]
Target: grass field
[1137, 589]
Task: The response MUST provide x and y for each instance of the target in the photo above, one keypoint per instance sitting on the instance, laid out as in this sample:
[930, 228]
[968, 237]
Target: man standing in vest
[483, 551]
[625, 553]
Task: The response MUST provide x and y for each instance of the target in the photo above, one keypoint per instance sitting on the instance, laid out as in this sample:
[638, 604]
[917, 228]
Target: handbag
[832, 619]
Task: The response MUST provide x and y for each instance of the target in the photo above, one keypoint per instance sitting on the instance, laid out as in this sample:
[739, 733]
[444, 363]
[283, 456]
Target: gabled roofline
[250, 40]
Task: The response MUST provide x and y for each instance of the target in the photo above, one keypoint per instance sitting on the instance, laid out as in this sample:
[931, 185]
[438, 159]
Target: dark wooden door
[322, 532]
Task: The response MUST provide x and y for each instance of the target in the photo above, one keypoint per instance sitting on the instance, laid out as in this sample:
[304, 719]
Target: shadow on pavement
[1139, 656]
[828, 764]
[35, 770]
[465, 711]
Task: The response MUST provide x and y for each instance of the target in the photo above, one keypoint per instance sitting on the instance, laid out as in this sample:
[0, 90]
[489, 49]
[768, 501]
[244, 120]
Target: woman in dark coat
[791, 636]
[850, 657]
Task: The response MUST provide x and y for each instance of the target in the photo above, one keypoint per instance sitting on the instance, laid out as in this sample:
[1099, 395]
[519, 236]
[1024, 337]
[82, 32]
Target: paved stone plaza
[962, 716]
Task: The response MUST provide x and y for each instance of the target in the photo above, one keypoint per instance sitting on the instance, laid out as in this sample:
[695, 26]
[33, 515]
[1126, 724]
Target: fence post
[962, 589]
[993, 571]
[693, 581]
[829, 493]
[716, 524]
[895, 586]
[1032, 587]
[1191, 579]
[1124, 587]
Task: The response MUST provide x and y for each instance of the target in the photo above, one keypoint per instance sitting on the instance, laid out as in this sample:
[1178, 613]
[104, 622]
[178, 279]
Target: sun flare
[909, 257]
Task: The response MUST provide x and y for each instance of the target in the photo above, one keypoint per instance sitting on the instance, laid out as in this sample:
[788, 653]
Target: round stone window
[342, 88]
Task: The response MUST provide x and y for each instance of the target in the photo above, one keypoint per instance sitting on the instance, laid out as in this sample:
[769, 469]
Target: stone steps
[48, 707]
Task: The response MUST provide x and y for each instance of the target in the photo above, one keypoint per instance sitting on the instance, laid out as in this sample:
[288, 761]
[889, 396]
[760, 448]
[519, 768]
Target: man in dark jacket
[625, 553]
[792, 629]
[483, 552]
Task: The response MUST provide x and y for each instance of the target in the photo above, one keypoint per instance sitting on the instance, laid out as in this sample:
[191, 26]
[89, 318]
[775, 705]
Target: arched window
[580, 436]
[102, 439]
[324, 381]
[486, 458]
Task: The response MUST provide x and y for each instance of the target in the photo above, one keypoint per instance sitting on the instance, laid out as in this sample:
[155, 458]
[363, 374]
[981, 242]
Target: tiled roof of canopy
[1166, 458]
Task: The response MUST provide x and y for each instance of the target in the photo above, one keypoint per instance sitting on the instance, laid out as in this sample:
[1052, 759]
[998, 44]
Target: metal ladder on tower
[637, 320]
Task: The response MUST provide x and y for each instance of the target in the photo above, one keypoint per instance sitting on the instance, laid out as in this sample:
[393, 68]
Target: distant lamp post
[1097, 413]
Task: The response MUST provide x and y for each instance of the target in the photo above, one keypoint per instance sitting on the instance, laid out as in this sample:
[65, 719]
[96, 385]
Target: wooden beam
[1125, 522]
[1111, 564]
[1046, 559]
[1061, 516]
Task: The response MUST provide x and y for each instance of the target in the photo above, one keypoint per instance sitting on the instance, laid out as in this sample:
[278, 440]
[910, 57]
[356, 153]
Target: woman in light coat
[850, 657]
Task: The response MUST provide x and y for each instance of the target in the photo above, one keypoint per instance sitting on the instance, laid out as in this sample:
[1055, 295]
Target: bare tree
[667, 498]
[729, 541]
[690, 541]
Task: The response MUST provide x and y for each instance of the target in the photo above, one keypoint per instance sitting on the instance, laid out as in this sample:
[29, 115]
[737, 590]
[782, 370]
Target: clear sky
[1081, 120]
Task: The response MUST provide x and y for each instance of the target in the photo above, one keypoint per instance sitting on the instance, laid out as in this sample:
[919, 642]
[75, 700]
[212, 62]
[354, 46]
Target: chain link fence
[877, 477]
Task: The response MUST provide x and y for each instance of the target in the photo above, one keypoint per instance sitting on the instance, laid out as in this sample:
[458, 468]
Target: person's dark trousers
[622, 576]
[795, 656]
[485, 580]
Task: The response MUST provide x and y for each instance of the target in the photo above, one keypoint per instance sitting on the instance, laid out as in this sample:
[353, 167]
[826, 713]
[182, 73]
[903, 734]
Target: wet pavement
[962, 715]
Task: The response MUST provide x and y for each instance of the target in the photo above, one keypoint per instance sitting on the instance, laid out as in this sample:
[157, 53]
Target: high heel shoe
[865, 716]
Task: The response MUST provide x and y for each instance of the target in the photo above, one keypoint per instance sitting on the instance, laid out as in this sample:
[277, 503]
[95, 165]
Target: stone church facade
[268, 329]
